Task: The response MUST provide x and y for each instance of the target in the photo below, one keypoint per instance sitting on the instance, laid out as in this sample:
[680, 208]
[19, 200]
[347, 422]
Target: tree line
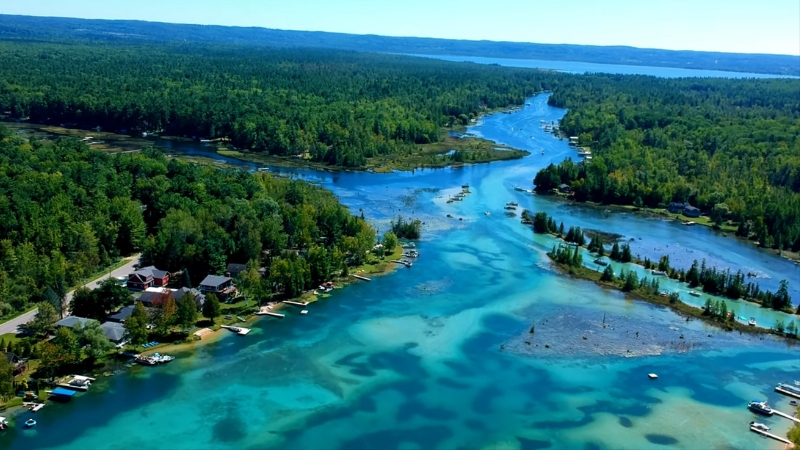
[728, 147]
[336, 107]
[67, 211]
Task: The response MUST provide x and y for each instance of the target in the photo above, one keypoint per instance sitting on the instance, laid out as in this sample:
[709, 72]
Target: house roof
[72, 321]
[122, 314]
[236, 268]
[114, 331]
[151, 271]
[691, 208]
[12, 358]
[199, 297]
[214, 280]
[149, 297]
[562, 185]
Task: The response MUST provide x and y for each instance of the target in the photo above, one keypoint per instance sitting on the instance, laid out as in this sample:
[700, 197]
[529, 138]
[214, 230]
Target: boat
[689, 223]
[759, 426]
[411, 254]
[3, 423]
[793, 402]
[659, 272]
[511, 207]
[512, 204]
[543, 152]
[517, 188]
[760, 407]
[30, 423]
[486, 213]
[263, 169]
[652, 376]
[791, 389]
[694, 293]
[464, 186]
[601, 262]
[752, 322]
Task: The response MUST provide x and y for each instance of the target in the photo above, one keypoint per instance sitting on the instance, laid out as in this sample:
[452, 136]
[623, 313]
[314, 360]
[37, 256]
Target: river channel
[440, 355]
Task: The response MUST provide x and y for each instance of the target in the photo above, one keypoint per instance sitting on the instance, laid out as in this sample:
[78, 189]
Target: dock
[361, 278]
[764, 433]
[270, 313]
[241, 331]
[405, 263]
[292, 302]
[778, 413]
[785, 392]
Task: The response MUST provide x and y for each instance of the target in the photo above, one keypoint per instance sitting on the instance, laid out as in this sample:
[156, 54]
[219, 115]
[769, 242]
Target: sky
[739, 26]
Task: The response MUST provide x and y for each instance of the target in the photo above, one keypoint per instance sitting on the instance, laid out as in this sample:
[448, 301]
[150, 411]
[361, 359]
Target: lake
[480, 344]
[621, 69]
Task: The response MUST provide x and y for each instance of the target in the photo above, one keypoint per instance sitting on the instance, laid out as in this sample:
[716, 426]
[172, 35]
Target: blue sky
[754, 26]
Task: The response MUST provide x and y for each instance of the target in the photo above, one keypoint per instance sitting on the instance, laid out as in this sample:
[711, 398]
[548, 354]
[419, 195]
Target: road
[11, 325]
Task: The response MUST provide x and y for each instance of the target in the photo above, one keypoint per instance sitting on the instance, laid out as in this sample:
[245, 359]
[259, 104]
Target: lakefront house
[147, 277]
[222, 287]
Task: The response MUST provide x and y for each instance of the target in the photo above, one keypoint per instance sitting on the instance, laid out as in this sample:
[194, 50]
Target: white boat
[659, 272]
[652, 376]
[759, 426]
[694, 293]
[752, 322]
[486, 212]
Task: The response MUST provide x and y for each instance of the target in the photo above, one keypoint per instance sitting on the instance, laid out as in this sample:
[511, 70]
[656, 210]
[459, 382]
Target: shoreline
[663, 214]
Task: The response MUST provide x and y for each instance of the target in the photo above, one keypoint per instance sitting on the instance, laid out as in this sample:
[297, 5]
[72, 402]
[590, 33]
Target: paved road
[11, 325]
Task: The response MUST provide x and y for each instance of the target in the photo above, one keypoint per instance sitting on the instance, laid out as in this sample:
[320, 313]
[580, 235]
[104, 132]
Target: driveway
[11, 325]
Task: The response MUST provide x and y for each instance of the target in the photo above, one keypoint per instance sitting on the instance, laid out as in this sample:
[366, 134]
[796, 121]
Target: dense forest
[728, 147]
[337, 107]
[35, 28]
[67, 211]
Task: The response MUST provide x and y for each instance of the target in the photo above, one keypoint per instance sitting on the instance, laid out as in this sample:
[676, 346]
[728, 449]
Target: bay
[440, 355]
[580, 67]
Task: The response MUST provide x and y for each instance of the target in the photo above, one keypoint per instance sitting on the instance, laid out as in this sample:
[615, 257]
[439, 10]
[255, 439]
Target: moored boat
[659, 272]
[789, 388]
[601, 262]
[752, 322]
[30, 423]
[759, 426]
[694, 293]
[760, 407]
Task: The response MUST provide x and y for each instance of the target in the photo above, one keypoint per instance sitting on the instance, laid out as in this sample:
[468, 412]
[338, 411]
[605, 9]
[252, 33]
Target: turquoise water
[440, 355]
[622, 69]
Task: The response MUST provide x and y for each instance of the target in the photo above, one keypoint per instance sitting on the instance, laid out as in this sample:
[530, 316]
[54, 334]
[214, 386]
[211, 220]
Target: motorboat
[759, 426]
[601, 262]
[791, 389]
[760, 407]
[30, 423]
[486, 213]
[659, 272]
[752, 322]
[694, 293]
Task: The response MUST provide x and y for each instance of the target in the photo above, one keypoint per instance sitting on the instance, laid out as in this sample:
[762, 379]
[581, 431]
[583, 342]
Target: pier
[778, 413]
[270, 313]
[405, 263]
[292, 302]
[785, 392]
[238, 330]
[764, 433]
[361, 278]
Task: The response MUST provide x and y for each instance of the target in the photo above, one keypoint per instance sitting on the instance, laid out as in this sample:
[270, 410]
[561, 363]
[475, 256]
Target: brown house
[147, 277]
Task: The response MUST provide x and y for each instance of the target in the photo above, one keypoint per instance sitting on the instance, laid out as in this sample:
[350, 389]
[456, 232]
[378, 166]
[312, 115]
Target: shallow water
[436, 356]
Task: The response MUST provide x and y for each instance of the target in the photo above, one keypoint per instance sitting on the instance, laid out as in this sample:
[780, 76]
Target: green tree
[186, 314]
[608, 275]
[136, 325]
[44, 321]
[66, 340]
[390, 242]
[96, 344]
[211, 308]
[6, 379]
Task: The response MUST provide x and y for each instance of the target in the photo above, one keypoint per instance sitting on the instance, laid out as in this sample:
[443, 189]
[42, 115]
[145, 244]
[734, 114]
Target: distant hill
[36, 28]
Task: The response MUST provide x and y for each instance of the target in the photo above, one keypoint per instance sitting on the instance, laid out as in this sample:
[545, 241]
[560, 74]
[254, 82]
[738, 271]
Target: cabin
[233, 270]
[114, 331]
[217, 285]
[74, 321]
[17, 365]
[564, 188]
[691, 211]
[199, 297]
[147, 277]
[676, 207]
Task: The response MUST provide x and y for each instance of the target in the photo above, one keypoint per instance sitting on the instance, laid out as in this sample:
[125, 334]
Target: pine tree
[608, 274]
[615, 254]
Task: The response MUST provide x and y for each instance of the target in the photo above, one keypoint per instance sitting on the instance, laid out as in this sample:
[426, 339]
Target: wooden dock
[764, 433]
[270, 313]
[778, 413]
[785, 392]
[291, 302]
[241, 331]
[361, 278]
